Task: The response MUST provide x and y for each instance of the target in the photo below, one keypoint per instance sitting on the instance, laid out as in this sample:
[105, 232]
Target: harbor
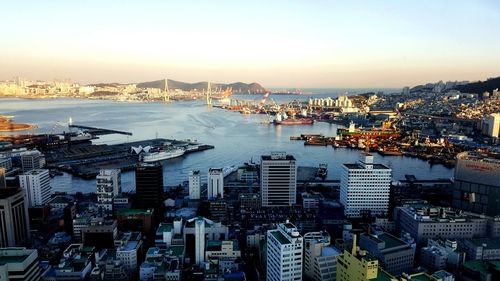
[85, 161]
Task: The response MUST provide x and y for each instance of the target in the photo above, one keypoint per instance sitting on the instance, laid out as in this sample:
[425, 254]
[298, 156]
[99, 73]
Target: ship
[373, 132]
[322, 171]
[226, 171]
[162, 155]
[297, 121]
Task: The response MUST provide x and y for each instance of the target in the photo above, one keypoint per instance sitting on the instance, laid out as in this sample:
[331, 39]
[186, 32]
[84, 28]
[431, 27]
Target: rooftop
[8, 192]
[280, 237]
[360, 167]
[383, 276]
[135, 212]
[390, 240]
[4, 259]
[488, 242]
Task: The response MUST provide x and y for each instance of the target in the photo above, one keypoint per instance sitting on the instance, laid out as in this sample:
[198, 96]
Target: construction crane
[263, 101]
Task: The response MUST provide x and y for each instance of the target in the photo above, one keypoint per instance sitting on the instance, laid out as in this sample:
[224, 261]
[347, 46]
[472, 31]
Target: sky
[303, 44]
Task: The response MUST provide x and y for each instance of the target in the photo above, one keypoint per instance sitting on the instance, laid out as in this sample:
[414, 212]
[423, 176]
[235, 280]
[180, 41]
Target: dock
[87, 160]
[99, 131]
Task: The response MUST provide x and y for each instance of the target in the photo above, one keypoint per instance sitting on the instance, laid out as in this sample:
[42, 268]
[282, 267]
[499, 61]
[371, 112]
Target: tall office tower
[19, 264]
[149, 186]
[108, 187]
[3, 183]
[14, 219]
[32, 159]
[194, 185]
[278, 180]
[36, 183]
[477, 183]
[284, 253]
[215, 183]
[493, 125]
[365, 187]
[320, 258]
[199, 236]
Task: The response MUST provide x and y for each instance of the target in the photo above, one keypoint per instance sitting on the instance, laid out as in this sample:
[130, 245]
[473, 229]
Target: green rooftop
[280, 237]
[390, 241]
[164, 227]
[135, 212]
[177, 250]
[383, 276]
[12, 259]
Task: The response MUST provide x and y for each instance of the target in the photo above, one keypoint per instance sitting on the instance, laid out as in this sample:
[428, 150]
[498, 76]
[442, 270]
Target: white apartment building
[36, 183]
[108, 187]
[215, 183]
[284, 253]
[365, 187]
[194, 185]
[278, 180]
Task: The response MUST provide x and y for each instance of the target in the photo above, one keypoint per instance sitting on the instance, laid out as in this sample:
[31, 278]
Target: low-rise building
[439, 254]
[424, 221]
[394, 255]
[481, 248]
[128, 247]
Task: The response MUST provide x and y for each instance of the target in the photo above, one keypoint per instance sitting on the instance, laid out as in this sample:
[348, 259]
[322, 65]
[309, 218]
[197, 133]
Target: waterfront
[236, 137]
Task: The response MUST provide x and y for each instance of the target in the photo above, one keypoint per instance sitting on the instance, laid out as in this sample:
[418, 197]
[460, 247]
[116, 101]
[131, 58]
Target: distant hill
[172, 85]
[480, 87]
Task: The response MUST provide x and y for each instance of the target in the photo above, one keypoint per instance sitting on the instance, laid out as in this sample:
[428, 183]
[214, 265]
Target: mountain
[172, 85]
[480, 87]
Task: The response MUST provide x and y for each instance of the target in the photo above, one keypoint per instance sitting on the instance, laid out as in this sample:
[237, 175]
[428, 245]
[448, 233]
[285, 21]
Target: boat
[390, 151]
[297, 121]
[322, 171]
[162, 155]
[226, 171]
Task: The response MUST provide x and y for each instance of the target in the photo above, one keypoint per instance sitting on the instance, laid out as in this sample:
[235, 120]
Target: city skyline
[279, 44]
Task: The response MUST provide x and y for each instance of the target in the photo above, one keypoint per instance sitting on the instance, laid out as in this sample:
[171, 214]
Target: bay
[237, 138]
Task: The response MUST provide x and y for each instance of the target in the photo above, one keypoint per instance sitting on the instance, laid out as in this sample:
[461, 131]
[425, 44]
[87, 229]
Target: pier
[99, 131]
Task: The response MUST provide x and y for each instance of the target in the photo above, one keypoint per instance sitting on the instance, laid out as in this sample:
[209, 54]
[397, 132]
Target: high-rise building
[285, 248]
[194, 185]
[477, 184]
[149, 186]
[320, 258]
[215, 183]
[19, 264]
[365, 188]
[108, 187]
[32, 159]
[36, 183]
[493, 125]
[278, 180]
[14, 219]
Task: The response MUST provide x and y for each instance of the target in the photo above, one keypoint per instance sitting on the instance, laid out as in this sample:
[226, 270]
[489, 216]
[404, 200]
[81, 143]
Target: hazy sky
[276, 43]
